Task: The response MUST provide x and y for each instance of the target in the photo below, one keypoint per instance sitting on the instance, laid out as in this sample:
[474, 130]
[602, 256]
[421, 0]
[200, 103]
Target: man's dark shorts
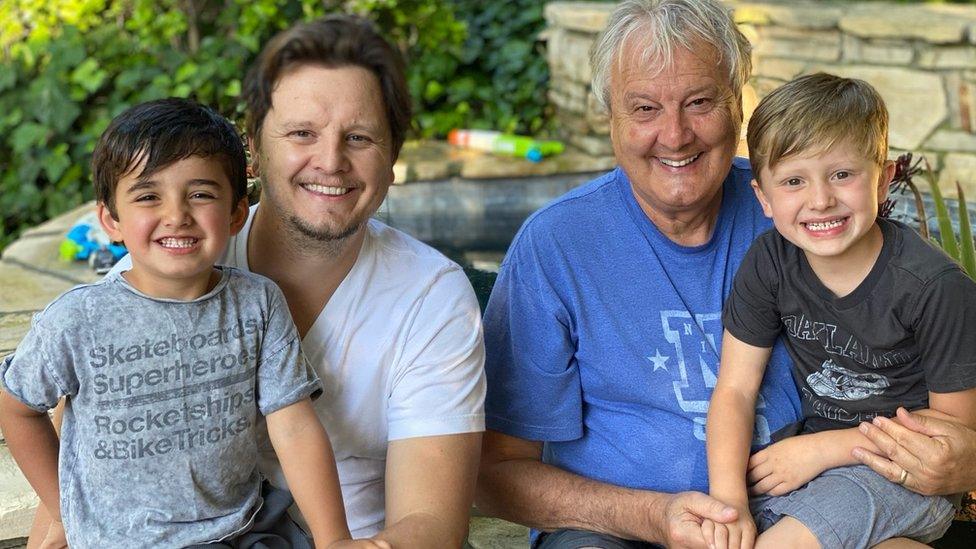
[579, 539]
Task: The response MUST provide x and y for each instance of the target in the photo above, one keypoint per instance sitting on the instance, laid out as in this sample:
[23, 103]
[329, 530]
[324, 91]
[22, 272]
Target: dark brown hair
[163, 132]
[333, 41]
[813, 113]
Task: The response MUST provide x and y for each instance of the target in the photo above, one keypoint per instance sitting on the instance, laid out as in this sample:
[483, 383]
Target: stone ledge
[936, 24]
[17, 499]
[578, 16]
[800, 16]
[436, 160]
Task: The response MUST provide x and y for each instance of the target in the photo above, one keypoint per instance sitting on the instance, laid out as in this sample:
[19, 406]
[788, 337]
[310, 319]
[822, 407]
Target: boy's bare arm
[791, 463]
[307, 460]
[959, 407]
[731, 417]
[731, 420]
[33, 444]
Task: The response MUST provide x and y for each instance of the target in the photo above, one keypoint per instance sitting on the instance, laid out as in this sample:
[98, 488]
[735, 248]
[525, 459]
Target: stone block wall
[921, 57]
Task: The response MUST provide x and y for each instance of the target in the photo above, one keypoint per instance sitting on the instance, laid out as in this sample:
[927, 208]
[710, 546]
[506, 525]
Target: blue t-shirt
[603, 337]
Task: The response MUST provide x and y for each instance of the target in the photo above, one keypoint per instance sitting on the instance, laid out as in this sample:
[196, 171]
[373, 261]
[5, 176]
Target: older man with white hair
[603, 328]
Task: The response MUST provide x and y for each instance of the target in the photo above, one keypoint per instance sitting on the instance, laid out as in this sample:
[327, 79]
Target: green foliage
[962, 250]
[68, 66]
[497, 79]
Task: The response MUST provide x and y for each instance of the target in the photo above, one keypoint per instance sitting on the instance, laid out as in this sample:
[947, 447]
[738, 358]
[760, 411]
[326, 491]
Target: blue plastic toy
[86, 240]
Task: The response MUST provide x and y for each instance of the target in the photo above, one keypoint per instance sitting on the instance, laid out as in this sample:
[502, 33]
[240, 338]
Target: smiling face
[827, 203]
[175, 224]
[325, 153]
[674, 132]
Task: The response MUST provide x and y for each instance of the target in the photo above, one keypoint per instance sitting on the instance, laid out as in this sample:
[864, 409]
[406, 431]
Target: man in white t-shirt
[390, 325]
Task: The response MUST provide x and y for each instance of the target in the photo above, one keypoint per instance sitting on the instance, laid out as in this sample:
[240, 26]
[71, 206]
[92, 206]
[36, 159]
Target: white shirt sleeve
[439, 382]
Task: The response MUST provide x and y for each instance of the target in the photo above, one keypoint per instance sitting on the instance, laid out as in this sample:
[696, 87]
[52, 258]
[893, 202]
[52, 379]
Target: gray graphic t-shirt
[158, 443]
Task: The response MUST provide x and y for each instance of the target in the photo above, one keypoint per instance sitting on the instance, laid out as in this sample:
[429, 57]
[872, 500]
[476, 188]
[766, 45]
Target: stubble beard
[321, 239]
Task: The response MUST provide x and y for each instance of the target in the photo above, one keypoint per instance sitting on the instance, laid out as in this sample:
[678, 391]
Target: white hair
[673, 24]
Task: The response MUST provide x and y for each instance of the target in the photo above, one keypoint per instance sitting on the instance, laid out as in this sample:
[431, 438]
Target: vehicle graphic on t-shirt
[839, 383]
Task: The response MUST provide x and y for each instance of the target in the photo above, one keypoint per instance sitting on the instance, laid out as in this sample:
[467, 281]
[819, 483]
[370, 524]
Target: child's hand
[361, 544]
[784, 466]
[740, 534]
[54, 539]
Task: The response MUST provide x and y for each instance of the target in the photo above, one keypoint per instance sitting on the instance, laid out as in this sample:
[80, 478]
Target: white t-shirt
[400, 353]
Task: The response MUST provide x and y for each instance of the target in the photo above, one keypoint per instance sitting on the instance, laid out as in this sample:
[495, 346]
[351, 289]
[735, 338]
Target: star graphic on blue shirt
[660, 361]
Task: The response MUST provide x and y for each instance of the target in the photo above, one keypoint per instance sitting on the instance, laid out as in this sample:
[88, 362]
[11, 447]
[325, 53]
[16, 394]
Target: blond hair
[811, 114]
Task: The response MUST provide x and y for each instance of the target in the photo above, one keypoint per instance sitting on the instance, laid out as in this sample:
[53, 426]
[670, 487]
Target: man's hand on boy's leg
[55, 538]
[939, 455]
[786, 465]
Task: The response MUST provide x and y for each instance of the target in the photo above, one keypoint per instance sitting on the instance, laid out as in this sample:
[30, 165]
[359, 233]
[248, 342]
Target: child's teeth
[177, 242]
[825, 225]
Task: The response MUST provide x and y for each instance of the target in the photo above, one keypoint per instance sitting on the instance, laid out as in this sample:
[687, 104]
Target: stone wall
[921, 57]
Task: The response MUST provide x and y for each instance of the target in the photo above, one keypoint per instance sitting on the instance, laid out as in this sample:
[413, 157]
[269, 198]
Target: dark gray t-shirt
[158, 442]
[904, 331]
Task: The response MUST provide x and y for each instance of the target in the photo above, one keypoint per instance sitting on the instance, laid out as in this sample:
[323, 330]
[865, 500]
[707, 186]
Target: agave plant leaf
[967, 248]
[946, 235]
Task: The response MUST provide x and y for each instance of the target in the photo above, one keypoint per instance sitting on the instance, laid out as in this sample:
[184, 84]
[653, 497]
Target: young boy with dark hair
[166, 366]
[874, 318]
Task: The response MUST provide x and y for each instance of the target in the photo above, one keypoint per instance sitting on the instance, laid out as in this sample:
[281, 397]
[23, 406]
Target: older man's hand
[928, 455]
[683, 515]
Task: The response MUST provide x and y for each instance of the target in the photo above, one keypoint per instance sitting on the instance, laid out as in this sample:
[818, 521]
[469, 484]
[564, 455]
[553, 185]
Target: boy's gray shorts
[855, 507]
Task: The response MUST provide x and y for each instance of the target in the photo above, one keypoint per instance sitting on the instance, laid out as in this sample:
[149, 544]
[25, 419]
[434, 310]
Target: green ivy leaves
[68, 66]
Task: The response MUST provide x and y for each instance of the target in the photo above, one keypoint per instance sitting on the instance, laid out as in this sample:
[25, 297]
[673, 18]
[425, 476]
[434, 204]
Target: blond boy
[873, 318]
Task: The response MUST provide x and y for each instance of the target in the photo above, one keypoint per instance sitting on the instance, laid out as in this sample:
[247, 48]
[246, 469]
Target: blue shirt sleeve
[534, 387]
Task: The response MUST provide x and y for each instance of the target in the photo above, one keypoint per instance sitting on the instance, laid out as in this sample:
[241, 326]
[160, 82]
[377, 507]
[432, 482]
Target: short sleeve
[534, 389]
[283, 374]
[41, 370]
[946, 314]
[438, 385]
[751, 313]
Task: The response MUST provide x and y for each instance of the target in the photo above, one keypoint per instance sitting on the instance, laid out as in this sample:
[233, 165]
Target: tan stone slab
[813, 45]
[948, 57]
[13, 328]
[592, 145]
[41, 253]
[778, 68]
[578, 16]
[915, 99]
[572, 98]
[798, 16]
[597, 118]
[952, 140]
[60, 224]
[569, 54]
[880, 52]
[961, 100]
[27, 290]
[17, 499]
[961, 168]
[430, 160]
[937, 24]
